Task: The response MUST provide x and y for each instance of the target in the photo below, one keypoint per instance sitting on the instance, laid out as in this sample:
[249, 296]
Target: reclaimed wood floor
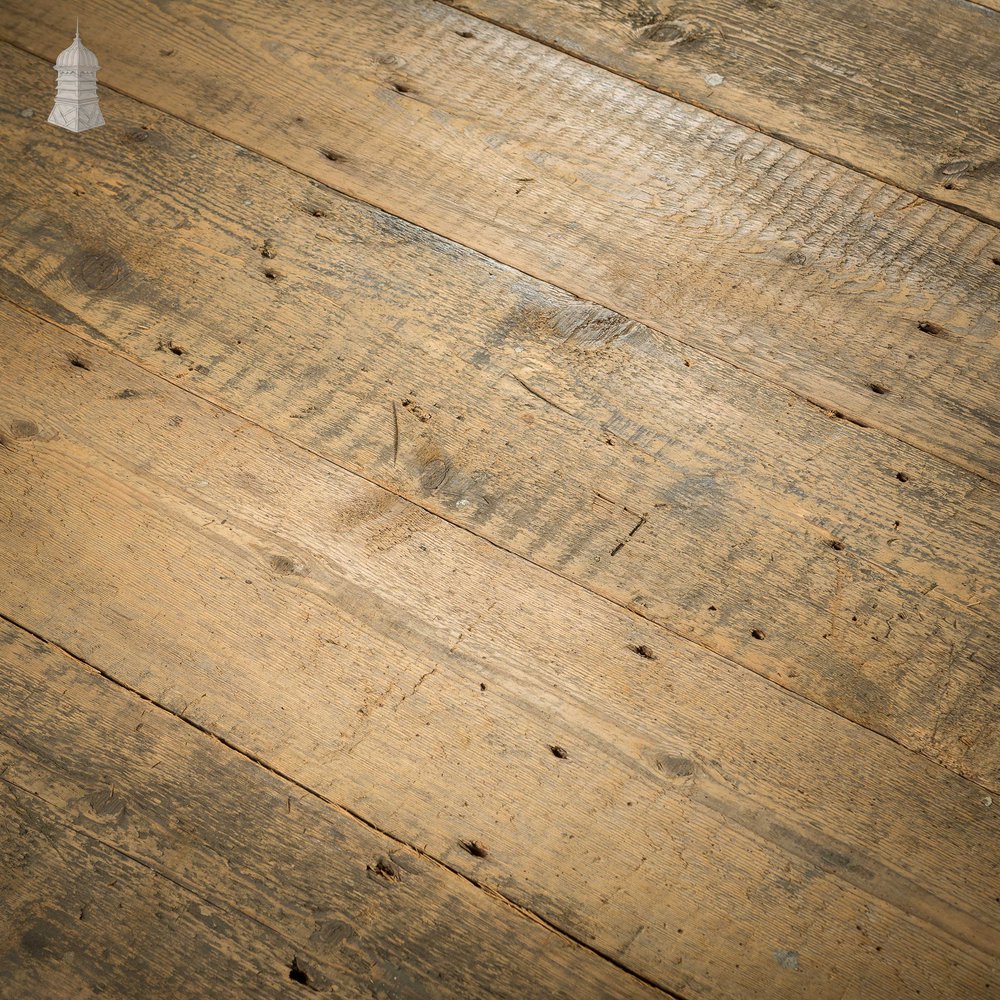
[500, 499]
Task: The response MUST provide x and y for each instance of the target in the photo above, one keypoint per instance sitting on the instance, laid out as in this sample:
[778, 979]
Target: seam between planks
[343, 810]
[728, 362]
[981, 6]
[745, 122]
[598, 595]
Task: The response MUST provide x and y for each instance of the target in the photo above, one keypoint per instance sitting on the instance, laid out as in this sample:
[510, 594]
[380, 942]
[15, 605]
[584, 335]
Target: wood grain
[82, 920]
[905, 91]
[651, 473]
[421, 677]
[127, 833]
[791, 267]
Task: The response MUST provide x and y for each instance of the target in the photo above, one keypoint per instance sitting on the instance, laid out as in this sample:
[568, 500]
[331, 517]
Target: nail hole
[759, 633]
[878, 388]
[474, 848]
[644, 651]
[558, 751]
[902, 477]
[837, 544]
[401, 88]
[330, 155]
[465, 34]
[712, 607]
[384, 868]
[932, 328]
[318, 213]
[77, 362]
[296, 973]
[270, 275]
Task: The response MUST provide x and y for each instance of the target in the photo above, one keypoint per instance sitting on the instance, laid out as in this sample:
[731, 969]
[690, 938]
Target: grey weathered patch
[787, 959]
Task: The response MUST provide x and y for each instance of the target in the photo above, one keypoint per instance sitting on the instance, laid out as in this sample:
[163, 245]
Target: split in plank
[858, 296]
[850, 568]
[247, 585]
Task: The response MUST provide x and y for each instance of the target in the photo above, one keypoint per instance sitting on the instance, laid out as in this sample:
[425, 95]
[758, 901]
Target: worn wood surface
[113, 810]
[80, 920]
[695, 821]
[649, 472]
[905, 90]
[855, 294]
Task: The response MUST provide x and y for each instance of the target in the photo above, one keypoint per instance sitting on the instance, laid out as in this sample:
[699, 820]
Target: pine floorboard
[487, 512]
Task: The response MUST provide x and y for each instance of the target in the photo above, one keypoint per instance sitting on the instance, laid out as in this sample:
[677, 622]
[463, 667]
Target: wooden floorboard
[695, 818]
[904, 90]
[501, 501]
[857, 295]
[713, 505]
[115, 811]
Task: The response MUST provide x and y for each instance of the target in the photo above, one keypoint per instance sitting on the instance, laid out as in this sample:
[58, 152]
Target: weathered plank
[650, 472]
[858, 296]
[421, 677]
[81, 920]
[144, 858]
[905, 90]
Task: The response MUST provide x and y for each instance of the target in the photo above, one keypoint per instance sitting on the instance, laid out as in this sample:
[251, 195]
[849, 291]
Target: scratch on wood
[534, 392]
[621, 544]
[395, 432]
